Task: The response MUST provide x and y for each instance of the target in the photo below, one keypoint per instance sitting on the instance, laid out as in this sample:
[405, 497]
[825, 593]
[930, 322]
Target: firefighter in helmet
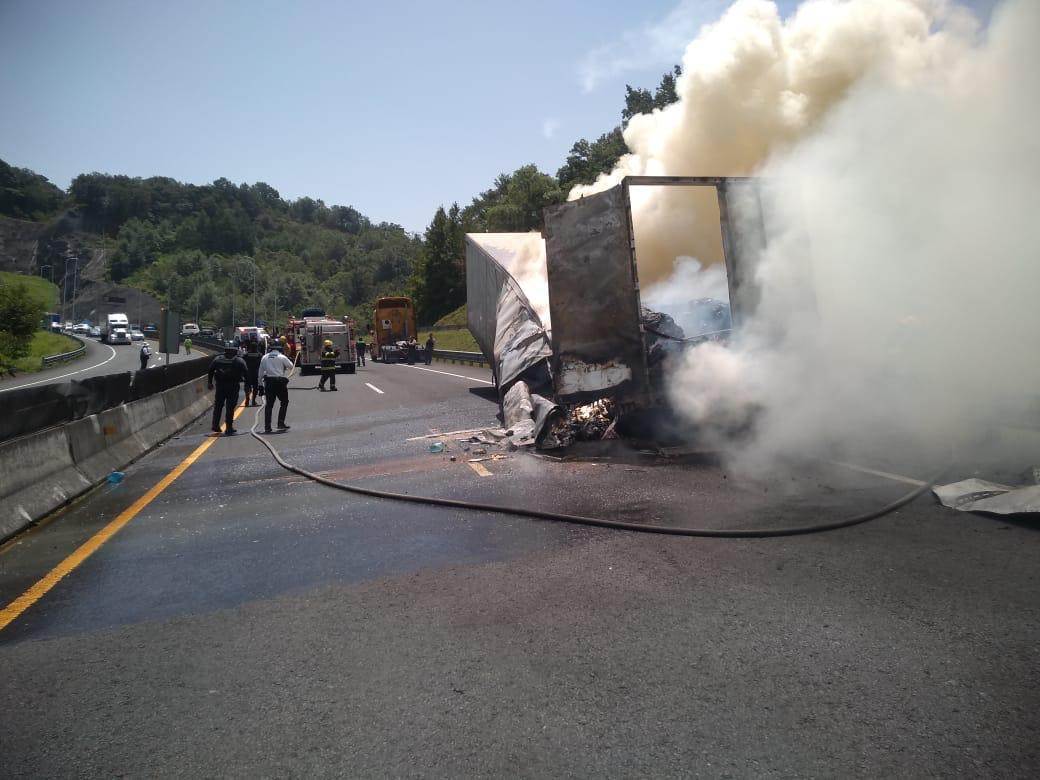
[329, 358]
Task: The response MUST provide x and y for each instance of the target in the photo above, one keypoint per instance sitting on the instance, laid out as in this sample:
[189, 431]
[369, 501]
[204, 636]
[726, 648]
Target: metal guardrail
[462, 357]
[50, 360]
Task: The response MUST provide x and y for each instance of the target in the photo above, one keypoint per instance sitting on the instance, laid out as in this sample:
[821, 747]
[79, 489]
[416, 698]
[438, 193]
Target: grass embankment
[450, 332]
[457, 339]
[37, 286]
[452, 320]
[44, 344]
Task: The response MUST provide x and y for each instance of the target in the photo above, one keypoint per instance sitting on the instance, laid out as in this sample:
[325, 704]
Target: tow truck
[393, 326]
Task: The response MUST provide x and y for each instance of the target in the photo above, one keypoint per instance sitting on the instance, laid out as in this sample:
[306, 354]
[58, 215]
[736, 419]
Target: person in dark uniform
[228, 370]
[329, 358]
[252, 360]
[146, 352]
[410, 350]
[360, 343]
[429, 349]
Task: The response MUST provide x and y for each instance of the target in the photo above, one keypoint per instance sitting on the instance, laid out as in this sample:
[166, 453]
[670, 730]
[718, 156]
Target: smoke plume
[900, 283]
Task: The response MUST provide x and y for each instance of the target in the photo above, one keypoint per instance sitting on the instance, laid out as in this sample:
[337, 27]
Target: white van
[116, 329]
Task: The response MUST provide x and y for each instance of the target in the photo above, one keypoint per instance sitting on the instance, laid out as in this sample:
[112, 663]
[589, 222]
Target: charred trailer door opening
[599, 341]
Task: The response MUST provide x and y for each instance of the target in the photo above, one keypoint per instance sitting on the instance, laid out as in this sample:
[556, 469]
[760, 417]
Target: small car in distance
[95, 332]
[136, 334]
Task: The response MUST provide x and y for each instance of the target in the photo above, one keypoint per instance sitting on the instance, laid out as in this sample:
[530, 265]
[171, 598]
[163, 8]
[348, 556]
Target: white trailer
[116, 329]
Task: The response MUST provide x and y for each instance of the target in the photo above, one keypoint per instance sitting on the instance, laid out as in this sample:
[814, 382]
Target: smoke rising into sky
[900, 284]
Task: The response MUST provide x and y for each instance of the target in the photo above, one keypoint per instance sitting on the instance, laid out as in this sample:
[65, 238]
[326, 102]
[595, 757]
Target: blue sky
[392, 107]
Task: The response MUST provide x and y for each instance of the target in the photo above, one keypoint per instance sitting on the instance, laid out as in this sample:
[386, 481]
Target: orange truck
[393, 324]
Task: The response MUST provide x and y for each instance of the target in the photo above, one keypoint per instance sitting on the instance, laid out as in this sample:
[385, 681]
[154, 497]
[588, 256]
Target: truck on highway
[393, 325]
[307, 336]
[116, 329]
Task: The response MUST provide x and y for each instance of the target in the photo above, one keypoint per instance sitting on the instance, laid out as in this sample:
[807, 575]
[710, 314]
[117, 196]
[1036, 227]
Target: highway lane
[250, 622]
[99, 360]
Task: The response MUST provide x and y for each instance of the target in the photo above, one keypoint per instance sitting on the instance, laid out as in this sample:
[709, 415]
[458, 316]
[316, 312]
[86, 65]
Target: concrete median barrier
[43, 471]
[103, 443]
[37, 474]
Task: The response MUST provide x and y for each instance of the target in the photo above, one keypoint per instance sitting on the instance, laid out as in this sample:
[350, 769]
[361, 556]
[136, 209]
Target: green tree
[27, 195]
[20, 316]
[439, 285]
[587, 161]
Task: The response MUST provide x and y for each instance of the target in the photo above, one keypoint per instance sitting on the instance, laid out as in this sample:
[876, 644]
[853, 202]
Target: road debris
[978, 495]
[584, 422]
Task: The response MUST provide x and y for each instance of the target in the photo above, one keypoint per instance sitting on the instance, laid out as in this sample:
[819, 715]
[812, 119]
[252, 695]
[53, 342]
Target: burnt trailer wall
[597, 340]
[592, 335]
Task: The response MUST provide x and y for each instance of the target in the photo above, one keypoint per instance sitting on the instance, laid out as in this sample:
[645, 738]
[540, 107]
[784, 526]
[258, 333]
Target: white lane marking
[374, 388]
[876, 473]
[446, 433]
[448, 373]
[62, 376]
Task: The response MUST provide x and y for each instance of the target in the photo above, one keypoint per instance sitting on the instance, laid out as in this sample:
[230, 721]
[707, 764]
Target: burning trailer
[559, 316]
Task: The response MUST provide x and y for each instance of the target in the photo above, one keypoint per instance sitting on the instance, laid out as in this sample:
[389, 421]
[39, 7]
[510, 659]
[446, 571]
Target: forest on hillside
[210, 250]
[514, 203]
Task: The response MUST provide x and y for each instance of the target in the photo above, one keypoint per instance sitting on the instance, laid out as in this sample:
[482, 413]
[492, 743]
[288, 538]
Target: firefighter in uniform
[229, 370]
[329, 358]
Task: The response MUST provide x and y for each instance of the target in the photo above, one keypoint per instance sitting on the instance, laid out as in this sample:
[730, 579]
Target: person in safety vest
[228, 370]
[329, 358]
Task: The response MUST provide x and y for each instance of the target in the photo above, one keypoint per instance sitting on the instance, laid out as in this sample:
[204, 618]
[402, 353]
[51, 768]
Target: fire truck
[393, 326]
[307, 336]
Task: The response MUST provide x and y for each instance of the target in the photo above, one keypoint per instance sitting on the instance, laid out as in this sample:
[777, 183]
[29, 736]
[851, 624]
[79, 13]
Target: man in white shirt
[274, 373]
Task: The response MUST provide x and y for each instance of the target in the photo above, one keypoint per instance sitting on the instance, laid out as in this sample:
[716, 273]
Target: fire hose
[539, 514]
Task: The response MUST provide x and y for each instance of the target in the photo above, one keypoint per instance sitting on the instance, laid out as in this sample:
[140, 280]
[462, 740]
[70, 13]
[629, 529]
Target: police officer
[329, 357]
[229, 370]
[361, 349]
[146, 352]
[275, 370]
[252, 361]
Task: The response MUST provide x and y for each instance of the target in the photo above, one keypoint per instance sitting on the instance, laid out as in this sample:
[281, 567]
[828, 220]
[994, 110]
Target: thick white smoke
[902, 148]
[754, 84]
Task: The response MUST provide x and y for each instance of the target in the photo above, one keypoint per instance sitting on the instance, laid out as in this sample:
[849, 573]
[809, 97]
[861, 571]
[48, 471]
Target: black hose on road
[538, 514]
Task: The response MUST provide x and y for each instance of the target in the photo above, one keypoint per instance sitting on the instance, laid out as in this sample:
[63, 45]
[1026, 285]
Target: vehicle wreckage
[558, 314]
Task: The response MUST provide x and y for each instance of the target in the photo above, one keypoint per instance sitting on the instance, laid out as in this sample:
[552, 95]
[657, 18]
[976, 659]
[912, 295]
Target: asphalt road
[248, 622]
[100, 359]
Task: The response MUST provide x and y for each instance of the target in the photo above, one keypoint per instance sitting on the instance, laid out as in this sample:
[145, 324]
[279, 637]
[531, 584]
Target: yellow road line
[477, 467]
[12, 611]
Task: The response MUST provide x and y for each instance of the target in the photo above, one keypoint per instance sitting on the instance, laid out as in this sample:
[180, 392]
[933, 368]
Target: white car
[95, 332]
[189, 329]
[136, 334]
[83, 328]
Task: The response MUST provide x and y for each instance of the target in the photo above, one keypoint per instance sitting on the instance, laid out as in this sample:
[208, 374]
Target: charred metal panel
[500, 317]
[597, 339]
[743, 241]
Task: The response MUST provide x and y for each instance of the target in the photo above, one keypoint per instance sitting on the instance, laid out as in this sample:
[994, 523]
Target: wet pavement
[250, 622]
